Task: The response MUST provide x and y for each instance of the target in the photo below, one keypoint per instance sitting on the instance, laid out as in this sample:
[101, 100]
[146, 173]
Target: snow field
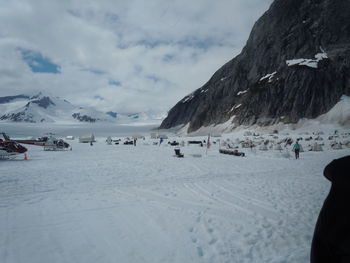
[120, 203]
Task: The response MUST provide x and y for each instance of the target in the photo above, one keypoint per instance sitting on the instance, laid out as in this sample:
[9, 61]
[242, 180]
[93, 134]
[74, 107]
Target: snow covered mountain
[44, 108]
[145, 116]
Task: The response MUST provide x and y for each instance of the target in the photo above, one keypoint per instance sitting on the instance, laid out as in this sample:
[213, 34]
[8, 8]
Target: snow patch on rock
[242, 92]
[269, 76]
[312, 63]
[188, 98]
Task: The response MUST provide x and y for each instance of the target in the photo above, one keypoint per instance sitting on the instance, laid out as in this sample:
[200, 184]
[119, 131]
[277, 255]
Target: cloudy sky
[126, 56]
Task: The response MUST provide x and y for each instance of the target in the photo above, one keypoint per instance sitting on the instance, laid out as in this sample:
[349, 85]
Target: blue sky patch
[153, 78]
[114, 83]
[94, 71]
[199, 43]
[168, 58]
[38, 63]
[98, 97]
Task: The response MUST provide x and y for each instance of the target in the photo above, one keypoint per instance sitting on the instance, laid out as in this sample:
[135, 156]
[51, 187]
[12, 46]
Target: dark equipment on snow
[232, 152]
[178, 153]
[195, 142]
[174, 143]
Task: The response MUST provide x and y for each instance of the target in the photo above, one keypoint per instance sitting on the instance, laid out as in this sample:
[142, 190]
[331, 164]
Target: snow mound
[340, 113]
[337, 117]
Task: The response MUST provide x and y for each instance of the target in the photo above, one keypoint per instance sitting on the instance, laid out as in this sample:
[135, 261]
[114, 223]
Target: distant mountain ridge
[44, 108]
[295, 65]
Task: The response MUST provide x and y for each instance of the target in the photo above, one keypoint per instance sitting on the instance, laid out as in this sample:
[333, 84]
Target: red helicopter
[50, 143]
[9, 148]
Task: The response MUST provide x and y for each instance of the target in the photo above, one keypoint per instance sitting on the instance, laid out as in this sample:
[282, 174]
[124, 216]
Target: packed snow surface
[124, 203]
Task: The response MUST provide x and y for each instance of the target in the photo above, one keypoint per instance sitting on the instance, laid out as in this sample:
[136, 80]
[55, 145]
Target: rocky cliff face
[296, 64]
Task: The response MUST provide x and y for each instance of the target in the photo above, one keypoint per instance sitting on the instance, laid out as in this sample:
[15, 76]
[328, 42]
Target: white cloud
[156, 51]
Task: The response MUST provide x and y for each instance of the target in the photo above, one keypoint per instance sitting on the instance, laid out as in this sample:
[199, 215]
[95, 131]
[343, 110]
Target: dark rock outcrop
[18, 117]
[8, 99]
[43, 102]
[112, 114]
[83, 118]
[296, 64]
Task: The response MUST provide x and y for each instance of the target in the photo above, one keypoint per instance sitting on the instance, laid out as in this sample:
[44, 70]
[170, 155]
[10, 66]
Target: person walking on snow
[296, 149]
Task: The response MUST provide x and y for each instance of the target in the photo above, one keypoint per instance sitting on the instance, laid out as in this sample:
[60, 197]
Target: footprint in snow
[200, 251]
[213, 241]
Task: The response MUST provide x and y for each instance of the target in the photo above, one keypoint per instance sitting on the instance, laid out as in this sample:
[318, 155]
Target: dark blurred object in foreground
[331, 241]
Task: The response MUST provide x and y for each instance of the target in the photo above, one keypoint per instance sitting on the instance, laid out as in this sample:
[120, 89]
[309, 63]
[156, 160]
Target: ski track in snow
[120, 203]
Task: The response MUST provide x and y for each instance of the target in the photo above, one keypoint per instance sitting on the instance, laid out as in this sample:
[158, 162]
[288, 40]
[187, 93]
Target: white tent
[70, 137]
[301, 148]
[137, 136]
[223, 143]
[247, 144]
[263, 147]
[278, 147]
[162, 136]
[347, 144]
[316, 147]
[87, 138]
[336, 146]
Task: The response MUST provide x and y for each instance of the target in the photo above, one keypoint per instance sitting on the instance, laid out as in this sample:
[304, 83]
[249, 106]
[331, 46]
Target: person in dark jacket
[331, 240]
